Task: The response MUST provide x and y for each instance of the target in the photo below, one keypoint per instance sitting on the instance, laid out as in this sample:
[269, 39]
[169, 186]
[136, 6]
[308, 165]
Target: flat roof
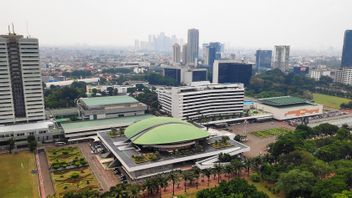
[283, 101]
[108, 100]
[26, 126]
[86, 125]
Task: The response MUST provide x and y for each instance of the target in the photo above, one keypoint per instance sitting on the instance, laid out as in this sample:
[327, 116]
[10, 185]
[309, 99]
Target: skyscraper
[184, 54]
[346, 60]
[281, 57]
[21, 95]
[263, 59]
[212, 52]
[176, 53]
[227, 71]
[192, 45]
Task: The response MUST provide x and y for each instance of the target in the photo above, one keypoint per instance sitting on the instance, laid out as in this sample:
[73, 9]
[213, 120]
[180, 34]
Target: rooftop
[71, 127]
[108, 100]
[283, 101]
[163, 130]
[26, 126]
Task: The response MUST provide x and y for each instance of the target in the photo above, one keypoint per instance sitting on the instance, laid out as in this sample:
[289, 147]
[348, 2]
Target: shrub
[74, 175]
[255, 177]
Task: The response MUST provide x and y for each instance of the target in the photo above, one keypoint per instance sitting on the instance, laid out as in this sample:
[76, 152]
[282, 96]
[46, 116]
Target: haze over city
[315, 24]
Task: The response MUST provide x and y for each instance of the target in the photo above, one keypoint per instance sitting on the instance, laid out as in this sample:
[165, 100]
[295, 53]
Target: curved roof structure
[163, 130]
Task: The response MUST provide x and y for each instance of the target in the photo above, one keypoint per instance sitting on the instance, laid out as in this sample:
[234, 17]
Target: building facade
[185, 75]
[344, 76]
[227, 71]
[176, 53]
[203, 100]
[21, 92]
[184, 54]
[281, 57]
[192, 45]
[346, 60]
[263, 60]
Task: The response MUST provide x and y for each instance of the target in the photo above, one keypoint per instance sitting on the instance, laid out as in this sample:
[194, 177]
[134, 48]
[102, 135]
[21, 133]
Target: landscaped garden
[70, 171]
[222, 143]
[145, 157]
[16, 177]
[271, 132]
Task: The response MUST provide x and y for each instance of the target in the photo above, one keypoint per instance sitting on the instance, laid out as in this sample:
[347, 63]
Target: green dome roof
[163, 130]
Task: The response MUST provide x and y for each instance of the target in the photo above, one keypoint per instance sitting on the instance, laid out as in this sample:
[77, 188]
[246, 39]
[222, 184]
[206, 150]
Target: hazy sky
[310, 24]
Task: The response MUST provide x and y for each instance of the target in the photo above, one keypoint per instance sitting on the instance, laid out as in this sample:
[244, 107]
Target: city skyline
[114, 24]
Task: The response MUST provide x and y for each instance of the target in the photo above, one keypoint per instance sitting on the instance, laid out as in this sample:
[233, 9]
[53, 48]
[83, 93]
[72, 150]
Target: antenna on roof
[13, 29]
[28, 35]
[8, 27]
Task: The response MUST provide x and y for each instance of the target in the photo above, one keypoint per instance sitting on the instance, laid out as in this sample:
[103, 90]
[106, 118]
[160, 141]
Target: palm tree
[228, 170]
[207, 172]
[150, 185]
[174, 177]
[196, 173]
[218, 169]
[237, 165]
[187, 176]
[248, 164]
[133, 190]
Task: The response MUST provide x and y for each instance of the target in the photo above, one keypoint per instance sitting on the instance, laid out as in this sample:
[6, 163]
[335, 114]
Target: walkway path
[44, 174]
[106, 178]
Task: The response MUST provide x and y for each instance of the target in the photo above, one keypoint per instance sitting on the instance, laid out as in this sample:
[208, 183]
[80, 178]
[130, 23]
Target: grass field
[329, 101]
[271, 132]
[16, 179]
[261, 187]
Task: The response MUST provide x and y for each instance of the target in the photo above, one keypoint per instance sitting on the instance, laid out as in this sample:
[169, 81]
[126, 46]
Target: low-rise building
[288, 107]
[109, 107]
[202, 100]
[343, 76]
[161, 144]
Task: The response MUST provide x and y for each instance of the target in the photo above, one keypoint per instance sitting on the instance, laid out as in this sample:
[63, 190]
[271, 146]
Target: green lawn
[329, 101]
[261, 187]
[16, 179]
[271, 132]
[63, 154]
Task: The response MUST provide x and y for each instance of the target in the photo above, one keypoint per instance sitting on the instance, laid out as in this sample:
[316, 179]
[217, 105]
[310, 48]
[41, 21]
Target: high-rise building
[184, 54]
[176, 53]
[192, 45]
[346, 60]
[344, 76]
[281, 57]
[21, 91]
[210, 55]
[227, 71]
[263, 59]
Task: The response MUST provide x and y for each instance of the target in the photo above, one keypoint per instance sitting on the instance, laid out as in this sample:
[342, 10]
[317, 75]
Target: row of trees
[276, 83]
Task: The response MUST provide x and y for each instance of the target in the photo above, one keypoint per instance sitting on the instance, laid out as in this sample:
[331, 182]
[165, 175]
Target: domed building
[164, 133]
[156, 145]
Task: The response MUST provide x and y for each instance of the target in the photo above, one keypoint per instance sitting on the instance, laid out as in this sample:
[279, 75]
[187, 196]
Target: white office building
[201, 100]
[343, 76]
[176, 53]
[21, 92]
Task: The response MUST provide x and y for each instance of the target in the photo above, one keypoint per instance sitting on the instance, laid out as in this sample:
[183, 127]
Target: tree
[296, 183]
[218, 170]
[237, 188]
[237, 166]
[11, 143]
[327, 187]
[207, 172]
[174, 176]
[32, 143]
[343, 194]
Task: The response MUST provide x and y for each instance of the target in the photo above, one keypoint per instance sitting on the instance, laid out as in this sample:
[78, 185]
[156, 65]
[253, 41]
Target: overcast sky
[309, 24]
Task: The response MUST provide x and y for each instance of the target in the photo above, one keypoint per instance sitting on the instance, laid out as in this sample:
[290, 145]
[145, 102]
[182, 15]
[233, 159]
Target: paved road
[45, 174]
[105, 178]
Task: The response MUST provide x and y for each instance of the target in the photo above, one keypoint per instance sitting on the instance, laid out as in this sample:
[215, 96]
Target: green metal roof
[163, 130]
[283, 101]
[70, 127]
[149, 123]
[108, 100]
